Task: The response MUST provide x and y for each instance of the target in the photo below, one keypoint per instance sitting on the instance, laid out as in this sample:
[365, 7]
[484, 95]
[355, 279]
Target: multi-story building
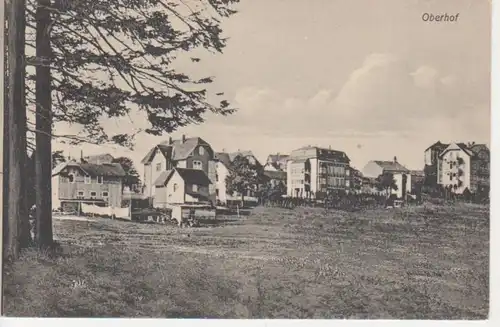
[464, 166]
[190, 153]
[313, 170]
[79, 182]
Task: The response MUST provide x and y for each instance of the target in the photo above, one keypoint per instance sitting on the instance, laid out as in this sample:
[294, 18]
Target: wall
[56, 203]
[220, 184]
[69, 190]
[153, 173]
[446, 171]
[166, 195]
[399, 183]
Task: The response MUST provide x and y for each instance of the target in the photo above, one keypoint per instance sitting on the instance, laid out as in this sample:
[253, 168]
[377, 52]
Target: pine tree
[97, 60]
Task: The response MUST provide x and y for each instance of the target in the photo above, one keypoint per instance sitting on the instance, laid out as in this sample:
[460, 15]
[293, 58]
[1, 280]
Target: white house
[181, 186]
[401, 174]
[462, 166]
[191, 153]
[312, 170]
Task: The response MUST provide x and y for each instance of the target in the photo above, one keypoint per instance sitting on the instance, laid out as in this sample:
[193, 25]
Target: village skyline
[392, 94]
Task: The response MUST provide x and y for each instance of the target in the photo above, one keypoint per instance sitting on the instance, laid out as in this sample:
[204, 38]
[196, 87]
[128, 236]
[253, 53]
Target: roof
[438, 145]
[190, 176]
[470, 149]
[198, 196]
[106, 169]
[177, 150]
[193, 176]
[281, 175]
[224, 158]
[320, 153]
[162, 179]
[391, 166]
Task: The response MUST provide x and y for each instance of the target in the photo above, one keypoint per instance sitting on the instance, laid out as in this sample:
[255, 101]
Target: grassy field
[426, 262]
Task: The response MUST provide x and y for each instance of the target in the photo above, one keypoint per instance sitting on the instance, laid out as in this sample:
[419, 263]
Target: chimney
[395, 159]
[170, 140]
[183, 139]
[81, 155]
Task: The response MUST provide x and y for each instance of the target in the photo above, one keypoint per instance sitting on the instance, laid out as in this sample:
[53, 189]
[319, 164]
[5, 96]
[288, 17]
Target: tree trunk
[43, 160]
[17, 234]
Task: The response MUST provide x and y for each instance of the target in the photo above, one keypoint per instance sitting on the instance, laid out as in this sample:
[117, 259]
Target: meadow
[424, 262]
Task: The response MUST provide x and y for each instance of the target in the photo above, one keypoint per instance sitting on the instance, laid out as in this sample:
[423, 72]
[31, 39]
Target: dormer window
[100, 179]
[195, 188]
[88, 179]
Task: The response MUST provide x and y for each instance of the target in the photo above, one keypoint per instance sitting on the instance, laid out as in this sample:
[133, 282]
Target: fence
[123, 213]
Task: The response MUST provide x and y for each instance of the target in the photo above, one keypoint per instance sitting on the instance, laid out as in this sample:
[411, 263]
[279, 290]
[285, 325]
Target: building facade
[431, 159]
[312, 171]
[462, 167]
[401, 175]
[76, 182]
[276, 162]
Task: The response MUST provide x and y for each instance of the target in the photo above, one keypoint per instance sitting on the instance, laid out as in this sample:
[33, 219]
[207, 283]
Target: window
[93, 195]
[80, 195]
[88, 179]
[105, 194]
[176, 187]
[71, 178]
[158, 166]
[197, 165]
[100, 179]
[195, 188]
[451, 177]
[216, 177]
[201, 150]
[217, 192]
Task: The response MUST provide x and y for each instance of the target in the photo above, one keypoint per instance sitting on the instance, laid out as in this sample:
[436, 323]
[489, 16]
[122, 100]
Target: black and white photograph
[246, 159]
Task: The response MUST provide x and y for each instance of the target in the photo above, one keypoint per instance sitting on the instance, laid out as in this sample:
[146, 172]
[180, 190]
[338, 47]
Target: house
[276, 162]
[181, 186]
[401, 174]
[190, 153]
[312, 170]
[77, 182]
[431, 159]
[464, 166]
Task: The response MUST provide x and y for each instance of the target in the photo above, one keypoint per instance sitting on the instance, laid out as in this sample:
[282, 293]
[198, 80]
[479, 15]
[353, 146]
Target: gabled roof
[438, 145]
[462, 146]
[194, 176]
[190, 176]
[181, 150]
[476, 148]
[281, 175]
[391, 166]
[177, 150]
[224, 158]
[106, 169]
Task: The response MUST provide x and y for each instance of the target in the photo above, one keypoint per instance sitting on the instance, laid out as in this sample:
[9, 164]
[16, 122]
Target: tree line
[82, 62]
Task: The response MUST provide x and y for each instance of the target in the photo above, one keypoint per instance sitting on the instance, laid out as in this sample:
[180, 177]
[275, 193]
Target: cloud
[383, 96]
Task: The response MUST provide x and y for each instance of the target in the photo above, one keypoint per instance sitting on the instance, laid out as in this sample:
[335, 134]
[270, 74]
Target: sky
[370, 78]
